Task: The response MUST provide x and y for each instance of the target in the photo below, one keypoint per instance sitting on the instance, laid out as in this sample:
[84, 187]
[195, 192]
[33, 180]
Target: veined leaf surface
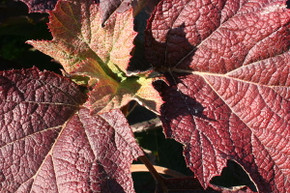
[86, 48]
[228, 99]
[78, 34]
[46, 147]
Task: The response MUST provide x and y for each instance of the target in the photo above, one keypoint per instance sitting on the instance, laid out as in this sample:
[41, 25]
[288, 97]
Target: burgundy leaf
[40, 6]
[34, 105]
[108, 7]
[92, 154]
[228, 99]
[40, 151]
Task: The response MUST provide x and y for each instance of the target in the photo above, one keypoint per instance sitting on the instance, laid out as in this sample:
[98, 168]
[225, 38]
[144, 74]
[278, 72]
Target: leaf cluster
[213, 75]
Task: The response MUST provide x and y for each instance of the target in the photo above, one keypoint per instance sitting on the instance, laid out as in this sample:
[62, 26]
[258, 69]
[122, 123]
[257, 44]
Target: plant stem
[159, 180]
[146, 125]
[159, 169]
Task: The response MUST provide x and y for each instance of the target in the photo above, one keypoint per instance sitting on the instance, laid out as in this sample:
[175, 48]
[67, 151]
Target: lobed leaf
[45, 147]
[85, 48]
[228, 98]
[34, 105]
[78, 34]
[92, 154]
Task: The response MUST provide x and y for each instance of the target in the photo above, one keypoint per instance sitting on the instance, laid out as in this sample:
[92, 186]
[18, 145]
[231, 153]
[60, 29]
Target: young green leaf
[101, 53]
[78, 34]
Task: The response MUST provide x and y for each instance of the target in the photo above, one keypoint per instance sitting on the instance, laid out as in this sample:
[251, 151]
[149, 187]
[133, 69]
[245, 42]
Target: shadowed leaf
[228, 98]
[40, 6]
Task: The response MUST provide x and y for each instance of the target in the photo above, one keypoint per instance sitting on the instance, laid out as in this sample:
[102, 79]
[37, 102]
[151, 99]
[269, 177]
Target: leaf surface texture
[228, 97]
[46, 147]
[78, 35]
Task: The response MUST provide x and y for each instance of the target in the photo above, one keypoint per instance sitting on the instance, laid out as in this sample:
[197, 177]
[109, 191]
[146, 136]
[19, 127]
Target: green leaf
[78, 35]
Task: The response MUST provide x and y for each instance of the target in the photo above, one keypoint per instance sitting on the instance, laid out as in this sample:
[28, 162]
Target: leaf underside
[44, 149]
[227, 64]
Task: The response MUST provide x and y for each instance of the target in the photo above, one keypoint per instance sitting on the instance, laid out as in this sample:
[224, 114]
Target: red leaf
[109, 6]
[34, 105]
[228, 98]
[41, 152]
[40, 6]
[92, 154]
